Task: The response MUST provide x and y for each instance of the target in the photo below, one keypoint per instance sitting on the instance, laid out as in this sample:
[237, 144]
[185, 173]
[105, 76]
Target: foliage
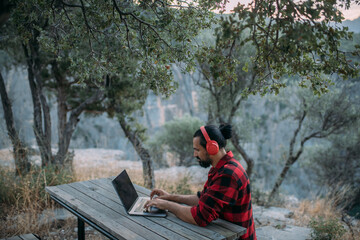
[98, 38]
[340, 158]
[330, 229]
[225, 101]
[78, 49]
[288, 37]
[177, 136]
[291, 38]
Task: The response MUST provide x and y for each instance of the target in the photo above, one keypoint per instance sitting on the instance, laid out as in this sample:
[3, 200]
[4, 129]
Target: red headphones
[212, 147]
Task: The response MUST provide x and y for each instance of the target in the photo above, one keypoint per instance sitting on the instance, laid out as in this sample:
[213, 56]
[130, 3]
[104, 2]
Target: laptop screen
[125, 189]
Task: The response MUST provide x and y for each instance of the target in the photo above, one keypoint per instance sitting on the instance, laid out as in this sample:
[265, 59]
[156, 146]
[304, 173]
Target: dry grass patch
[23, 199]
[324, 209]
[320, 207]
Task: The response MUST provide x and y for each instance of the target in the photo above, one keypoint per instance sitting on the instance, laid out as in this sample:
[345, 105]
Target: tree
[81, 35]
[45, 73]
[225, 100]
[290, 38]
[338, 167]
[19, 149]
[126, 95]
[72, 100]
[317, 118]
[260, 44]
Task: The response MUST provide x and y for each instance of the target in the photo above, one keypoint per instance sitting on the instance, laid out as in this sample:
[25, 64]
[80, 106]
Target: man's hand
[182, 212]
[160, 193]
[191, 200]
[158, 203]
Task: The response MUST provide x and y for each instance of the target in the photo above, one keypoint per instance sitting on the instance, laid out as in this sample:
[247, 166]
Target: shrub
[329, 229]
[183, 187]
[177, 136]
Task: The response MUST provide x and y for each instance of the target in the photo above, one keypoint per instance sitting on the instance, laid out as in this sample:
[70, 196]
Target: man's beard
[205, 163]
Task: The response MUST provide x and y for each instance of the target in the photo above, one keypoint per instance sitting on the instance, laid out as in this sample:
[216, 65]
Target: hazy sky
[350, 14]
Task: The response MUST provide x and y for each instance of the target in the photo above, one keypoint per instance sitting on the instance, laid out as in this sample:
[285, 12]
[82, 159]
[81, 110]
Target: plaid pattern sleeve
[226, 195]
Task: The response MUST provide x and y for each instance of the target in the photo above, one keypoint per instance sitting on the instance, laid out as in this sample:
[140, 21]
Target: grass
[23, 198]
[321, 213]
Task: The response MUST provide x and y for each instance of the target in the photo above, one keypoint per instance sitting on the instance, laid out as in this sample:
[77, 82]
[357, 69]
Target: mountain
[353, 25]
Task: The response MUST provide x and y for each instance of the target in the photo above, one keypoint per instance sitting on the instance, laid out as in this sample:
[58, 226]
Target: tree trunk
[148, 170]
[289, 162]
[235, 139]
[62, 157]
[249, 161]
[19, 150]
[66, 127]
[41, 108]
[291, 157]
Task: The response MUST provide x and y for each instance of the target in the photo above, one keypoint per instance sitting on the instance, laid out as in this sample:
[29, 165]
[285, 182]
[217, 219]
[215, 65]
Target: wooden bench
[29, 236]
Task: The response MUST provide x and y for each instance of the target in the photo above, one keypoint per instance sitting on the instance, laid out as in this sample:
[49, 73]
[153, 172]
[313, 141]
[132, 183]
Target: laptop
[133, 204]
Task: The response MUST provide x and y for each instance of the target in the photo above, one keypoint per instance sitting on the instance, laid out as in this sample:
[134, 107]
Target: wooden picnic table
[96, 203]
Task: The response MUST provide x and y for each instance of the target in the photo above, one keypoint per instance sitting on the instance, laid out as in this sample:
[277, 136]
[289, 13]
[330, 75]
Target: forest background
[296, 123]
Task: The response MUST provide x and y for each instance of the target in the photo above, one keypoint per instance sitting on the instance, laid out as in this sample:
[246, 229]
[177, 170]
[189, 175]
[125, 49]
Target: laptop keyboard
[140, 205]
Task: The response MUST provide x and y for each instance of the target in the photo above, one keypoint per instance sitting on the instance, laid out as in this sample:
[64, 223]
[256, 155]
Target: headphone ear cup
[212, 147]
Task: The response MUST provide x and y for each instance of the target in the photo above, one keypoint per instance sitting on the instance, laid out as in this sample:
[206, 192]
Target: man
[226, 193]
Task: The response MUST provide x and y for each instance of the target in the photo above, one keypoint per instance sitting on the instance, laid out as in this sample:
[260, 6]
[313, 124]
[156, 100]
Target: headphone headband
[206, 136]
[212, 146]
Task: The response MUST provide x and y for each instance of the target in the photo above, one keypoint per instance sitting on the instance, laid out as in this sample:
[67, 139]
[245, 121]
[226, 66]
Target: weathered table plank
[111, 215]
[110, 225]
[28, 236]
[13, 238]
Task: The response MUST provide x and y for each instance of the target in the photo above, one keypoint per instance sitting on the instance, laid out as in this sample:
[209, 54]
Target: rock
[354, 222]
[272, 216]
[291, 201]
[289, 215]
[286, 233]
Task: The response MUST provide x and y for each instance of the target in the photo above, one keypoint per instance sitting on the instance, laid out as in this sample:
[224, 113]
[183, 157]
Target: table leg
[81, 229]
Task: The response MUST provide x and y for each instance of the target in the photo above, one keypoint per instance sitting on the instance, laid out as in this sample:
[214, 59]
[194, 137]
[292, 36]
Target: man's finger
[147, 204]
[154, 192]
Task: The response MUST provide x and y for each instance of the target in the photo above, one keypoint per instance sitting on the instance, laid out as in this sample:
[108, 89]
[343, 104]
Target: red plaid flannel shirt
[226, 195]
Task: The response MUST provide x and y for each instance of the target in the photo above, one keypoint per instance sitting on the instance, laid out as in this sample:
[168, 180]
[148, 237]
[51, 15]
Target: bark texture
[19, 149]
[249, 161]
[42, 120]
[291, 157]
[148, 169]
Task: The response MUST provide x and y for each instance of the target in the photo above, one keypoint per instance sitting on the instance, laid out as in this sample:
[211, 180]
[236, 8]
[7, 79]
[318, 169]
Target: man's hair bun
[225, 130]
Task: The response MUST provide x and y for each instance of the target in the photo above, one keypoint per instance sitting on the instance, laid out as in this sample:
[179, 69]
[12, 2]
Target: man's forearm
[182, 212]
[191, 200]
